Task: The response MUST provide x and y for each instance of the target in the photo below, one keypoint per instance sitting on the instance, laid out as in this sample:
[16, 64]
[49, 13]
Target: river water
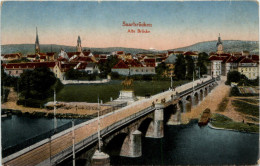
[17, 129]
[182, 144]
[191, 144]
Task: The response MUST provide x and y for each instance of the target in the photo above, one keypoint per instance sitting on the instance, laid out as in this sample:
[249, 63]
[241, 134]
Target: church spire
[37, 44]
[219, 40]
[219, 45]
[79, 48]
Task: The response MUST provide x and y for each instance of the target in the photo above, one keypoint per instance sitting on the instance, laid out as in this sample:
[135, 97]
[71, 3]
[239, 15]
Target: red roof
[133, 63]
[42, 57]
[121, 65]
[246, 60]
[103, 56]
[86, 53]
[170, 52]
[82, 59]
[50, 53]
[120, 52]
[31, 56]
[190, 53]
[29, 65]
[231, 59]
[224, 54]
[215, 58]
[11, 55]
[70, 54]
[150, 60]
[255, 58]
[66, 66]
[62, 59]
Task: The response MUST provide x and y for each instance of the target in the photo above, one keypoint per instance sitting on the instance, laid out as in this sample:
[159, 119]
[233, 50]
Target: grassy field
[253, 101]
[222, 121]
[246, 108]
[223, 105]
[90, 93]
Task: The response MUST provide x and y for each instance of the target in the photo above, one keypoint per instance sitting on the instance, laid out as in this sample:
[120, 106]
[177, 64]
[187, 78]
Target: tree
[161, 69]
[105, 67]
[203, 59]
[233, 76]
[38, 83]
[180, 67]
[190, 66]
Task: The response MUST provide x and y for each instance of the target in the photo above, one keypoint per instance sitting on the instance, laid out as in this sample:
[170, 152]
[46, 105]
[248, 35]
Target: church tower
[37, 44]
[219, 46]
[79, 48]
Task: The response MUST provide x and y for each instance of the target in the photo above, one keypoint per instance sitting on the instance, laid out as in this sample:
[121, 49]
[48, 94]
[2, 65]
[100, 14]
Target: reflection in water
[190, 144]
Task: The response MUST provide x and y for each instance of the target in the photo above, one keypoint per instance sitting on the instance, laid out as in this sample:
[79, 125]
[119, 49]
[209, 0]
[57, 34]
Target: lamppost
[99, 144]
[54, 106]
[171, 81]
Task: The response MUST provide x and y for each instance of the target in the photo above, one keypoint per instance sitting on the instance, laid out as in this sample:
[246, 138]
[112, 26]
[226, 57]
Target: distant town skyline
[162, 25]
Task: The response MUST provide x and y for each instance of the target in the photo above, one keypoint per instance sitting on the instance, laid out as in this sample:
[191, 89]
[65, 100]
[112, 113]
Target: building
[249, 68]
[219, 46]
[9, 57]
[79, 48]
[215, 65]
[132, 67]
[37, 43]
[16, 69]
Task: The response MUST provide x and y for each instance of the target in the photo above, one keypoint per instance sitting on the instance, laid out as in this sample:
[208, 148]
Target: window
[136, 70]
[10, 72]
[16, 72]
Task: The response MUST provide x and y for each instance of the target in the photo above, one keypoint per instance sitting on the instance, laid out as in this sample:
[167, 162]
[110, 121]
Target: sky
[99, 24]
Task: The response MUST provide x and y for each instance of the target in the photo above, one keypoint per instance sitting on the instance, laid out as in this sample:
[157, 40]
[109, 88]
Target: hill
[209, 46]
[228, 45]
[29, 49]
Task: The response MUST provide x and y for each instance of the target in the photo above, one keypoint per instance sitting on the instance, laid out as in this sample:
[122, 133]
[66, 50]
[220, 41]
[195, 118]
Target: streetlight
[99, 144]
[54, 106]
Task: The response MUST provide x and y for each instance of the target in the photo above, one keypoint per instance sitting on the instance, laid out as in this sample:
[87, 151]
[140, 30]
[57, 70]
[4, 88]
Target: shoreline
[36, 114]
[219, 128]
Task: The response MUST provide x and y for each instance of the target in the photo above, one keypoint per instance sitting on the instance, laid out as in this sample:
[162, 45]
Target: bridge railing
[94, 137]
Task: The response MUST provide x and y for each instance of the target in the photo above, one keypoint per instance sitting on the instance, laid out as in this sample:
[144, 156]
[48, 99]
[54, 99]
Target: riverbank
[219, 121]
[228, 112]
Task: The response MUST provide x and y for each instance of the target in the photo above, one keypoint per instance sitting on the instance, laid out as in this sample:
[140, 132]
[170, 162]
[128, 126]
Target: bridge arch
[206, 91]
[201, 94]
[188, 104]
[145, 125]
[181, 104]
[115, 145]
[196, 99]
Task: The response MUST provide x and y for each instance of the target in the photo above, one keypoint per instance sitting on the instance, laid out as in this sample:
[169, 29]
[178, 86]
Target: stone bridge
[121, 130]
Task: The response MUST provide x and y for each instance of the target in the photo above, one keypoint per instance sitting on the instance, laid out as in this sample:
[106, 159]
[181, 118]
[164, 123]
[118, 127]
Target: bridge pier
[155, 129]
[175, 119]
[100, 159]
[132, 146]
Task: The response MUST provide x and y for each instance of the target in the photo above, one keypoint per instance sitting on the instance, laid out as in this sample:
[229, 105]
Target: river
[17, 129]
[191, 144]
[182, 144]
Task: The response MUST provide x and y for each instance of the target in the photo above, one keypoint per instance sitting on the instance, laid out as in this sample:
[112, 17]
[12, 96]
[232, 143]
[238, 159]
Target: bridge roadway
[53, 150]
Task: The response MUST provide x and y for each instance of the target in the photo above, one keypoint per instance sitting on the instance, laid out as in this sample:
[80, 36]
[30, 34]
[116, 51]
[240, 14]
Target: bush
[234, 92]
[115, 75]
[31, 103]
[4, 94]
